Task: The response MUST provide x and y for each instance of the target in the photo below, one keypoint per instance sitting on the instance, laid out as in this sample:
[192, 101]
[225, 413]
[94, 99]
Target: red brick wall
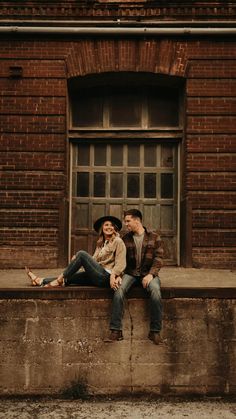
[205, 10]
[211, 148]
[33, 126]
[33, 156]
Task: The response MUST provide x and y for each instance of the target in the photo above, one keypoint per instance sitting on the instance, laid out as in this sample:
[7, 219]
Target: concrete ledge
[56, 346]
[91, 293]
[52, 340]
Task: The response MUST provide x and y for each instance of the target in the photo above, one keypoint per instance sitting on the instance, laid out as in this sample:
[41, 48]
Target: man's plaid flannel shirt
[151, 256]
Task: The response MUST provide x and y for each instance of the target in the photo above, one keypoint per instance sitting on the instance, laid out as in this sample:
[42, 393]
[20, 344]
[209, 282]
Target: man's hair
[135, 213]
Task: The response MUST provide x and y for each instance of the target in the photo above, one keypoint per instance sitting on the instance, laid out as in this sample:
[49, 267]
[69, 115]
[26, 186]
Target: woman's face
[108, 228]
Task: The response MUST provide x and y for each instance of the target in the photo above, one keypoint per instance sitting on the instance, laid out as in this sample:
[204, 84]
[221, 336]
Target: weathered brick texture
[214, 219]
[71, 9]
[212, 181]
[34, 117]
[30, 199]
[29, 237]
[155, 56]
[33, 87]
[214, 256]
[217, 143]
[210, 200]
[32, 161]
[20, 218]
[38, 68]
[42, 142]
[32, 180]
[211, 87]
[34, 105]
[211, 106]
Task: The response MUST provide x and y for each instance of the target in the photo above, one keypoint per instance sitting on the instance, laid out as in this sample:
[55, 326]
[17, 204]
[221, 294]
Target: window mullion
[106, 114]
[144, 121]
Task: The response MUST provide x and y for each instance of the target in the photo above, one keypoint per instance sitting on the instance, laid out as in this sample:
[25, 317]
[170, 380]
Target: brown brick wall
[211, 158]
[207, 143]
[214, 218]
[33, 157]
[30, 218]
[30, 199]
[110, 9]
[33, 124]
[155, 56]
[33, 142]
[212, 199]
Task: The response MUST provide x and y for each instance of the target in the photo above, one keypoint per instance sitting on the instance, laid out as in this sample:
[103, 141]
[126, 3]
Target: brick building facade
[90, 92]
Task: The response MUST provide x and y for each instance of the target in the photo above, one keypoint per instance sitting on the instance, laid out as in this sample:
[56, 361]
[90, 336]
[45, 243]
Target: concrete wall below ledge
[52, 342]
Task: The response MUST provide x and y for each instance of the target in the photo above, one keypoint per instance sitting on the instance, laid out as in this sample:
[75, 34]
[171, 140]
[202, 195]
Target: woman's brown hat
[97, 225]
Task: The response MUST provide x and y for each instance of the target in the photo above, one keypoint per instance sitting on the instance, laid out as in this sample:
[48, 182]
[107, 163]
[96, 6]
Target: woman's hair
[101, 238]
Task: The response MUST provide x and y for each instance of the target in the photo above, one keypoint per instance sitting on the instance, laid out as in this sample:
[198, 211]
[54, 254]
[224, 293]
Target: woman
[102, 269]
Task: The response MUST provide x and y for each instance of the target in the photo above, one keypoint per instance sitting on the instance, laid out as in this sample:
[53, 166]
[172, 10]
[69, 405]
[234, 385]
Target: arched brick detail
[112, 55]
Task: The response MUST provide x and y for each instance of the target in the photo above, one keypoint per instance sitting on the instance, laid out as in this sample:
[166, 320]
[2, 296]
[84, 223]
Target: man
[144, 259]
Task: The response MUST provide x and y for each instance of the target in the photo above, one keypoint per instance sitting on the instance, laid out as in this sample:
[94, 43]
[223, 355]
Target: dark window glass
[99, 184]
[83, 155]
[150, 155]
[125, 110]
[149, 185]
[117, 155]
[100, 155]
[166, 185]
[133, 185]
[167, 156]
[163, 108]
[82, 184]
[133, 155]
[87, 110]
[116, 185]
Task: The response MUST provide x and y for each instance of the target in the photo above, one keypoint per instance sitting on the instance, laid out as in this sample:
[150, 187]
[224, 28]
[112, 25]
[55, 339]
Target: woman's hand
[115, 282]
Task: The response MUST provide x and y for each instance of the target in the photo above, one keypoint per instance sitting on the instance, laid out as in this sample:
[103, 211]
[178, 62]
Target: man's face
[131, 223]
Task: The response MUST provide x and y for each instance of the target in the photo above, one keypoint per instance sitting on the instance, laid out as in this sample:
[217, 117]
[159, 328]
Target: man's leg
[154, 289]
[118, 308]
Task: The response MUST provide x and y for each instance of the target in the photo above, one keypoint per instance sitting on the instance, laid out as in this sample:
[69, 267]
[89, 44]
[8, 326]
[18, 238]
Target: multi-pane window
[116, 108]
[113, 177]
[125, 155]
[124, 171]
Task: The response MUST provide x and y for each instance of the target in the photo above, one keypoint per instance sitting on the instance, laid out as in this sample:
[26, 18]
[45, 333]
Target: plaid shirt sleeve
[155, 254]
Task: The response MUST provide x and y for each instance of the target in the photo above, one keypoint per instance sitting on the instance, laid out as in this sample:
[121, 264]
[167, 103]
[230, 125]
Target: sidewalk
[171, 277]
[116, 409]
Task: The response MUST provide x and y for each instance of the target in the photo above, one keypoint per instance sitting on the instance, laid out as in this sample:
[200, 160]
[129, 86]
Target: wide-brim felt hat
[97, 225]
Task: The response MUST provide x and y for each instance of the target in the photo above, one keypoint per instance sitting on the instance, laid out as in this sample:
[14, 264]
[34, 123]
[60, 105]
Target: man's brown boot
[114, 336]
[155, 337]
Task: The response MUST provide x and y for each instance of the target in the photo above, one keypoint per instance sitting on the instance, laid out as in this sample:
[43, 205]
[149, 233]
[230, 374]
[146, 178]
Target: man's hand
[146, 280]
[115, 282]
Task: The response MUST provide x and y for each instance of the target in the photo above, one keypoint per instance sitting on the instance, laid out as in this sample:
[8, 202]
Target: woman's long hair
[101, 238]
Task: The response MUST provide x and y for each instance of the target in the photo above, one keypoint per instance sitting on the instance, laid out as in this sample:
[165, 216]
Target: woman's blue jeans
[154, 291]
[94, 274]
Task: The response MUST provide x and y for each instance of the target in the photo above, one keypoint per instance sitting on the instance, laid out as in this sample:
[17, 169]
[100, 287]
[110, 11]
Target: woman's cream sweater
[112, 256]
